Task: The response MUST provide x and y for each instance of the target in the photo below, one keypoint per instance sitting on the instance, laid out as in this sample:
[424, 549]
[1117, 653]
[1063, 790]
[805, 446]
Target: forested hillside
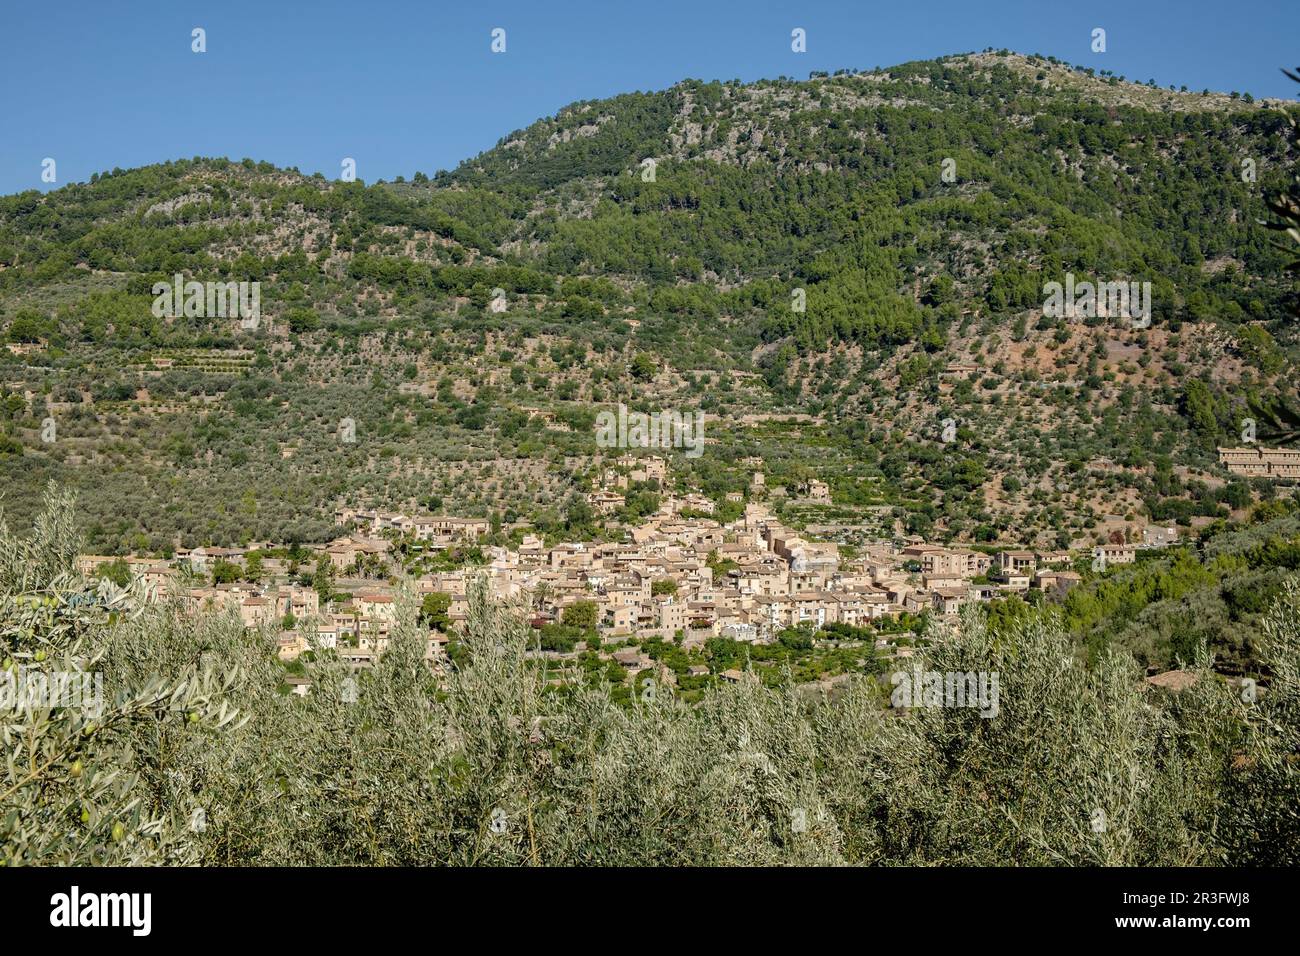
[757, 251]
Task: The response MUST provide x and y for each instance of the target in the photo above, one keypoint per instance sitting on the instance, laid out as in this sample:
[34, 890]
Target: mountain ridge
[833, 186]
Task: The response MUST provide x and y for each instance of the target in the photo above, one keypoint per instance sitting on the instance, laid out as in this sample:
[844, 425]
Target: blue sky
[405, 86]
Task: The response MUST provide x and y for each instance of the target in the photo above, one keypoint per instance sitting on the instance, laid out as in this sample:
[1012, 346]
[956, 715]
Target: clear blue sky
[405, 86]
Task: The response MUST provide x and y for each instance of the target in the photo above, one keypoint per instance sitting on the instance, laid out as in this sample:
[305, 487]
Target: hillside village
[680, 576]
[352, 522]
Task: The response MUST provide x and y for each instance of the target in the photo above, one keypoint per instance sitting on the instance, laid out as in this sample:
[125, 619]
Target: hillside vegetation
[450, 316]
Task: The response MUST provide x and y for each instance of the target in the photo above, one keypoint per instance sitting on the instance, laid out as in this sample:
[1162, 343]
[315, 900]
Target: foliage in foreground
[198, 756]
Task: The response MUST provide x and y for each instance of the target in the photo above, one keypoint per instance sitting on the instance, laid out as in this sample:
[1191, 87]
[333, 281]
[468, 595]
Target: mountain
[847, 274]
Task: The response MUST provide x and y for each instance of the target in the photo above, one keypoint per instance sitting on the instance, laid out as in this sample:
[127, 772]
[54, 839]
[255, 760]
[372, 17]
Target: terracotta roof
[1173, 680]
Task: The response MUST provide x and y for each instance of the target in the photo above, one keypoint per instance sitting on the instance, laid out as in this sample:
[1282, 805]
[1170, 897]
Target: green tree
[225, 572]
[323, 578]
[433, 611]
[644, 367]
[581, 615]
[117, 571]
